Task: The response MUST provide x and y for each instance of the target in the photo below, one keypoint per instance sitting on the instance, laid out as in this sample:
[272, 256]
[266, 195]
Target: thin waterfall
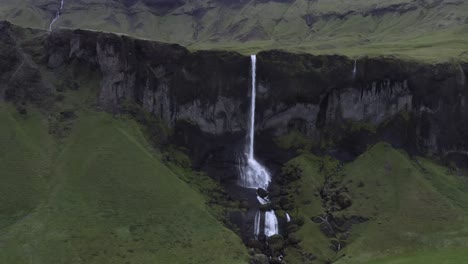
[57, 15]
[355, 69]
[253, 174]
[257, 220]
[253, 94]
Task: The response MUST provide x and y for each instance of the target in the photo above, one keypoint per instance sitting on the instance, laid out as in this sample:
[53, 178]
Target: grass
[24, 161]
[408, 204]
[417, 209]
[305, 194]
[430, 34]
[443, 256]
[107, 199]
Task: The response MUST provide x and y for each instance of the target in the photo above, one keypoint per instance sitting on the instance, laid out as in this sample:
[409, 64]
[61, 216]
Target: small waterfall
[271, 223]
[257, 220]
[57, 15]
[355, 69]
[288, 218]
[253, 174]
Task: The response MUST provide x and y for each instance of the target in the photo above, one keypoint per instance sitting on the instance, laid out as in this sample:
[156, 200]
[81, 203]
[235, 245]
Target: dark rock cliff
[204, 95]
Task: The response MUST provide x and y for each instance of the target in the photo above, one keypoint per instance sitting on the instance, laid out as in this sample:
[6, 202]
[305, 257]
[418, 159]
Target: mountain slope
[105, 198]
[355, 28]
[417, 210]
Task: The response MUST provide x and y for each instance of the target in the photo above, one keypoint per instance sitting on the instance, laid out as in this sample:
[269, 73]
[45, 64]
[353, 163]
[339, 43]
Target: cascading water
[253, 174]
[57, 15]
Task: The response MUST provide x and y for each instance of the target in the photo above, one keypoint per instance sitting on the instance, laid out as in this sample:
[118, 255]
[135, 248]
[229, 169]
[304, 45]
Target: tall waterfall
[57, 15]
[253, 174]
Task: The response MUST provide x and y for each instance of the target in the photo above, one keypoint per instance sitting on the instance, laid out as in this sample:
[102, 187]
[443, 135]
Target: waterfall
[355, 69]
[271, 223]
[253, 95]
[57, 15]
[288, 218]
[253, 174]
[257, 223]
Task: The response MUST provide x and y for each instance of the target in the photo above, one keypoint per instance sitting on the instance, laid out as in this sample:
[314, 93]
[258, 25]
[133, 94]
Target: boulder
[262, 193]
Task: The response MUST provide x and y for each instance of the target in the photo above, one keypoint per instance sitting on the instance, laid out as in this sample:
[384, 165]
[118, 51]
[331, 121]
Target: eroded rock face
[319, 96]
[314, 94]
[206, 88]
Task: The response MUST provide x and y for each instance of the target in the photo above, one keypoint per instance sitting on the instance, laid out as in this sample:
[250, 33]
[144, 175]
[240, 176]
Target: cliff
[203, 95]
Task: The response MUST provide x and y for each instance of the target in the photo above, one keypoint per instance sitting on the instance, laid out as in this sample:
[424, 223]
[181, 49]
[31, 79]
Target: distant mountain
[417, 28]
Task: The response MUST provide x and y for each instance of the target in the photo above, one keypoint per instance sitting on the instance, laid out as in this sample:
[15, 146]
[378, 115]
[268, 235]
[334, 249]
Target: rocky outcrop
[20, 77]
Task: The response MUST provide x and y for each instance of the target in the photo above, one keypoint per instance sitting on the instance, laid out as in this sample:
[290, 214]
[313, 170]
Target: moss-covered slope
[402, 209]
[101, 196]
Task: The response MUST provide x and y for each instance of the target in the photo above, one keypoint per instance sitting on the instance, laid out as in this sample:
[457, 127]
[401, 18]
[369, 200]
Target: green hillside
[417, 210]
[429, 30]
[103, 196]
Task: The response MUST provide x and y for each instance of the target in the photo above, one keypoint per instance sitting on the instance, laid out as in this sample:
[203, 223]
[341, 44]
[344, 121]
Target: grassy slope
[417, 209]
[107, 199]
[25, 155]
[309, 205]
[410, 208]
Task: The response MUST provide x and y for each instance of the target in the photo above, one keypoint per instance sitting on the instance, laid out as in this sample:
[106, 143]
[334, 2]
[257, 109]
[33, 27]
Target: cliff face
[205, 95]
[321, 93]
[206, 88]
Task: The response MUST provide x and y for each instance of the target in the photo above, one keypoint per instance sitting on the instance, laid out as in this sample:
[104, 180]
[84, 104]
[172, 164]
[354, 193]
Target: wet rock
[262, 193]
[265, 207]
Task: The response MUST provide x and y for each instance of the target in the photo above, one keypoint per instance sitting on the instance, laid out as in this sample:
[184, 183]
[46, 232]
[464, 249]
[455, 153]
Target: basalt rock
[417, 106]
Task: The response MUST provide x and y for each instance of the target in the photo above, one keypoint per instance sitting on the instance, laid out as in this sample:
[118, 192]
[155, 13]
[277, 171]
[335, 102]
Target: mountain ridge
[416, 29]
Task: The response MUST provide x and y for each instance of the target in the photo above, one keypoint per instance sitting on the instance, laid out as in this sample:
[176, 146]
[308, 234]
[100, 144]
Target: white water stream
[57, 16]
[355, 69]
[253, 174]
